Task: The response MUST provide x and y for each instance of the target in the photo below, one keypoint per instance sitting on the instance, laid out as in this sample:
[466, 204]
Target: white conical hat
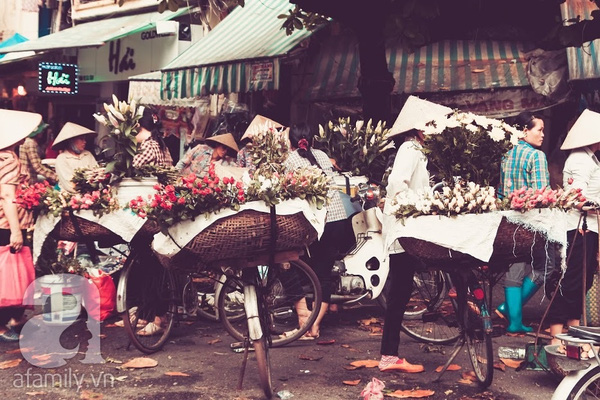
[71, 130]
[258, 124]
[585, 131]
[16, 125]
[417, 111]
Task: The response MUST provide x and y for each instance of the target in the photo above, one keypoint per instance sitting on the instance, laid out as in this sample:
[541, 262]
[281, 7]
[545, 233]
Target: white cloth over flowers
[121, 222]
[473, 234]
[182, 233]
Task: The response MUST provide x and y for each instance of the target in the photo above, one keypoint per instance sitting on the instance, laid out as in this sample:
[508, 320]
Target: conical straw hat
[225, 139]
[584, 132]
[258, 124]
[16, 125]
[71, 130]
[417, 111]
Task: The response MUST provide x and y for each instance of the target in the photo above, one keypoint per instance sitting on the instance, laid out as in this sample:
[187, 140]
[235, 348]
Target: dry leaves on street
[351, 383]
[35, 393]
[511, 363]
[211, 342]
[373, 325]
[87, 395]
[10, 363]
[326, 342]
[19, 351]
[309, 358]
[411, 394]
[468, 378]
[500, 366]
[140, 362]
[176, 373]
[451, 367]
[365, 363]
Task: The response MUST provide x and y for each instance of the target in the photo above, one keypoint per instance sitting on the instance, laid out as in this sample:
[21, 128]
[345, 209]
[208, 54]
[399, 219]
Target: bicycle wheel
[149, 293]
[430, 315]
[478, 329]
[588, 387]
[288, 285]
[206, 286]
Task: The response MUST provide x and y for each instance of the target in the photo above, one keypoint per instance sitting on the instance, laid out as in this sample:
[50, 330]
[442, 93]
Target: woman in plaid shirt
[152, 148]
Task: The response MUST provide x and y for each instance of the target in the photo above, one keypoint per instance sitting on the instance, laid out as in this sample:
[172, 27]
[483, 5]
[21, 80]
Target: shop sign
[501, 103]
[56, 78]
[261, 72]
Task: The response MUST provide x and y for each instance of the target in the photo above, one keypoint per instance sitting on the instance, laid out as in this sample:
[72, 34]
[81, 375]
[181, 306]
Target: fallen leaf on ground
[121, 378]
[369, 321]
[352, 367]
[41, 357]
[411, 394]
[470, 375]
[365, 363]
[102, 336]
[187, 322]
[500, 366]
[451, 367]
[466, 381]
[10, 363]
[176, 373]
[87, 395]
[214, 341]
[35, 393]
[309, 358]
[351, 383]
[17, 351]
[113, 360]
[511, 363]
[326, 342]
[140, 362]
[346, 346]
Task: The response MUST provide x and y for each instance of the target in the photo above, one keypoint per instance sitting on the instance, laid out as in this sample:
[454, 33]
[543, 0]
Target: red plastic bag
[105, 298]
[16, 273]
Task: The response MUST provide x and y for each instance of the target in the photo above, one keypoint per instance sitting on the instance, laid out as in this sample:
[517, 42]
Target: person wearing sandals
[409, 173]
[15, 126]
[581, 171]
[524, 166]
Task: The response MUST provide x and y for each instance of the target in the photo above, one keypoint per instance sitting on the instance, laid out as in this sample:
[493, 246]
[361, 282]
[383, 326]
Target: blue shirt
[522, 166]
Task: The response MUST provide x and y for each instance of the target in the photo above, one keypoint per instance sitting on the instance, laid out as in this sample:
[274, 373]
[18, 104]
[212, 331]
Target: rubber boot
[527, 291]
[515, 311]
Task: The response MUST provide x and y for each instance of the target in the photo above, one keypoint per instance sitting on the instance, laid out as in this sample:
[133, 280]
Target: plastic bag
[16, 273]
[373, 390]
[107, 299]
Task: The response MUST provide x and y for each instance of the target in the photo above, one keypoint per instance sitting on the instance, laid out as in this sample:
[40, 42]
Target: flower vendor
[525, 167]
[17, 265]
[72, 140]
[408, 173]
[336, 234]
[152, 149]
[581, 171]
[217, 149]
[29, 156]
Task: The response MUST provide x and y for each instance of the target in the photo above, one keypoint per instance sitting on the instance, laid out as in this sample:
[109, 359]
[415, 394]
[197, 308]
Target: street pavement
[198, 363]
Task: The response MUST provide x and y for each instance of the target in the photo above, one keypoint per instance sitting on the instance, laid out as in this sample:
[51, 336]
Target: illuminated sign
[58, 78]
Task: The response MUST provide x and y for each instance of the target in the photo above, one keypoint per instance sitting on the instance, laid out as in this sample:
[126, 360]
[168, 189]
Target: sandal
[288, 334]
[9, 336]
[150, 329]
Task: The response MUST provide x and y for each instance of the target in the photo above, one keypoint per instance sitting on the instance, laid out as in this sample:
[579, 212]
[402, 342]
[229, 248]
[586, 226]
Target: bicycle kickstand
[244, 362]
[457, 347]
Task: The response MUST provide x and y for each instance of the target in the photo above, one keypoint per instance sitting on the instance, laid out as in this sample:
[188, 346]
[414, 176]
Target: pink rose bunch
[100, 201]
[525, 198]
[189, 197]
[29, 197]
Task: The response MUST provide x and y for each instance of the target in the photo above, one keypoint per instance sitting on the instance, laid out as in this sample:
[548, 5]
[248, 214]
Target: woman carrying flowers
[220, 148]
[581, 171]
[152, 149]
[72, 139]
[524, 166]
[409, 173]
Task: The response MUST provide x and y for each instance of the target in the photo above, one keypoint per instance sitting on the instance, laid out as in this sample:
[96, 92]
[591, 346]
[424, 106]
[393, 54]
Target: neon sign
[57, 78]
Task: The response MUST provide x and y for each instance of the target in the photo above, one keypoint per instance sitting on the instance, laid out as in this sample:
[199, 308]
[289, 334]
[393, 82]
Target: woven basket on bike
[242, 235]
[513, 243]
[66, 229]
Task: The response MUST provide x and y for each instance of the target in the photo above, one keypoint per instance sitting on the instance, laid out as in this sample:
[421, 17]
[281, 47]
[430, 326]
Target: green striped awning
[583, 61]
[96, 33]
[451, 65]
[241, 54]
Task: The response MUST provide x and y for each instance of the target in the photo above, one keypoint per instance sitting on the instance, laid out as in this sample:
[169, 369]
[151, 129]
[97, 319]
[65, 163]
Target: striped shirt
[523, 166]
[335, 207]
[30, 159]
[12, 173]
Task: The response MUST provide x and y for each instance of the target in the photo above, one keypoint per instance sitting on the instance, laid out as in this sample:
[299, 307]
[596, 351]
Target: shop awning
[11, 41]
[583, 61]
[146, 89]
[96, 33]
[241, 54]
[458, 65]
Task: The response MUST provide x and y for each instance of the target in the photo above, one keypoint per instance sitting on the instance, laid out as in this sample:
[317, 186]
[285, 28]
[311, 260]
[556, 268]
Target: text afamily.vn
[66, 379]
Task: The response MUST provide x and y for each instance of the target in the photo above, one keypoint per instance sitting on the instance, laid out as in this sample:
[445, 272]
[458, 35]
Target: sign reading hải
[57, 78]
